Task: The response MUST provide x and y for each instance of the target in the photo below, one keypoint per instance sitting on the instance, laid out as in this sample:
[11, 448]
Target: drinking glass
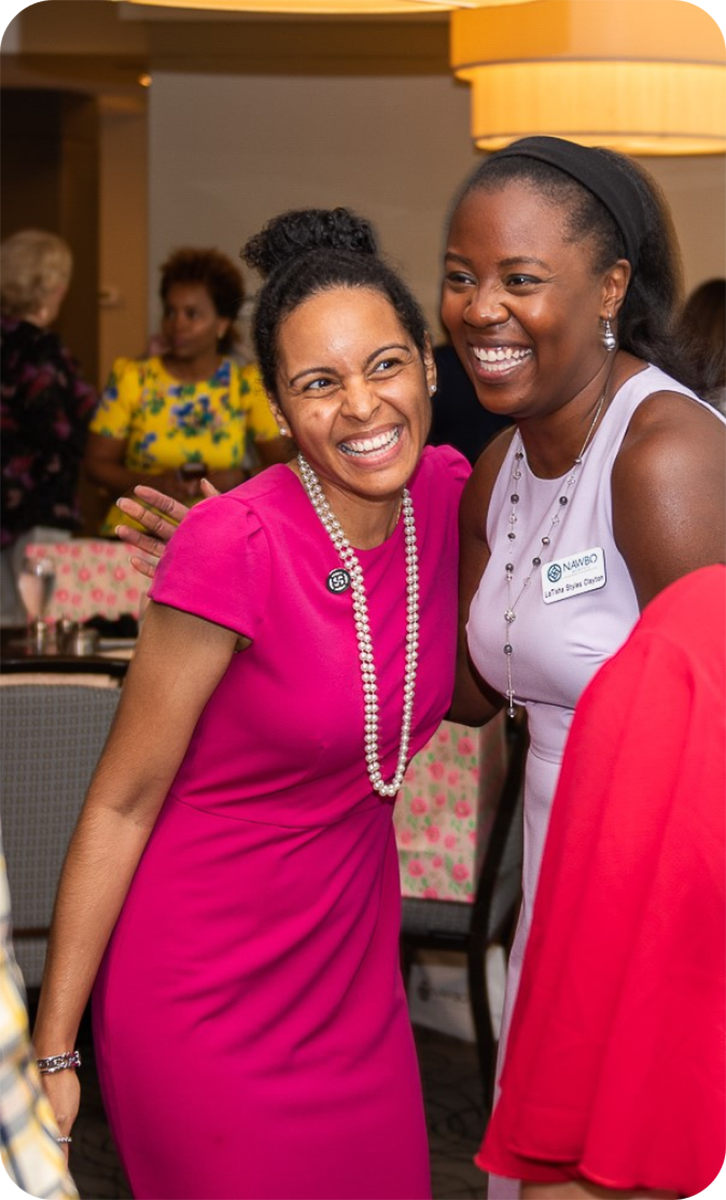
[36, 582]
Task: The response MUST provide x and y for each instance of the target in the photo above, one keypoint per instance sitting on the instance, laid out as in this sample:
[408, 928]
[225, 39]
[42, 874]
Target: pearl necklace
[510, 614]
[350, 562]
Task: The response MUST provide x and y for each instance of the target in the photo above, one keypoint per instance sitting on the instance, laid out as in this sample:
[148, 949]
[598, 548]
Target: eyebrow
[329, 370]
[512, 261]
[523, 258]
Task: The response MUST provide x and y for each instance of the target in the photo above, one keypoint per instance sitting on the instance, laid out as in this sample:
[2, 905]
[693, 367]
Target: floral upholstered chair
[445, 812]
[93, 578]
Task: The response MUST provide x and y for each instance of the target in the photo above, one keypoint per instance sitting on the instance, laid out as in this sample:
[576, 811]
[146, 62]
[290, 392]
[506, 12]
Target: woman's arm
[474, 703]
[582, 1190]
[105, 466]
[179, 661]
[668, 488]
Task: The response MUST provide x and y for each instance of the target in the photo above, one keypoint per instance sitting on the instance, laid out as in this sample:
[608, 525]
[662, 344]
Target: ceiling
[103, 46]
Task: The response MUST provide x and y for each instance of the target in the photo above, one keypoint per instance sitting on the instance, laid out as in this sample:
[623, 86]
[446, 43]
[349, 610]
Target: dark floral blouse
[46, 409]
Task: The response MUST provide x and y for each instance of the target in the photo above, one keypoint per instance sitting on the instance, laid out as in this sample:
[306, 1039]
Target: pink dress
[250, 1019]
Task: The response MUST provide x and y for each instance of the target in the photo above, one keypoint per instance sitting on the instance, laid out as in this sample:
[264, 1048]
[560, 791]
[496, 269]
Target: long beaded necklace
[510, 614]
[350, 562]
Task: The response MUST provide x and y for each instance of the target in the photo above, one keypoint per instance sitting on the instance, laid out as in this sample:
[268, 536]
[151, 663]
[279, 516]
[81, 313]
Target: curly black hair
[303, 229]
[218, 274]
[308, 251]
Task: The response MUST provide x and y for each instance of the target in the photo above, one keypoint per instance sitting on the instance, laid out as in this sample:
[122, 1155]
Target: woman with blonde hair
[36, 272]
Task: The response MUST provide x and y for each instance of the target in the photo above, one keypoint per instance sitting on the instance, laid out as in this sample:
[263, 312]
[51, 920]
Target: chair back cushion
[93, 578]
[51, 736]
[445, 811]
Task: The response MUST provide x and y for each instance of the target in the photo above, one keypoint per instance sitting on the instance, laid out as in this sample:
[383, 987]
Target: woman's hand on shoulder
[159, 514]
[668, 488]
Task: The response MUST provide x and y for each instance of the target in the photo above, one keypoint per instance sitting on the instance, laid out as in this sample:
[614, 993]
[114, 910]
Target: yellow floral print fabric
[167, 422]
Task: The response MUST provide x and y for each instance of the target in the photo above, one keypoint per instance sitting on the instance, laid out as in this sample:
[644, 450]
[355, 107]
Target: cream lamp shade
[644, 77]
[330, 8]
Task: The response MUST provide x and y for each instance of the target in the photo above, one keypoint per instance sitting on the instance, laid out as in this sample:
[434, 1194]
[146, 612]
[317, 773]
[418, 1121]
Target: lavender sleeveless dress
[558, 644]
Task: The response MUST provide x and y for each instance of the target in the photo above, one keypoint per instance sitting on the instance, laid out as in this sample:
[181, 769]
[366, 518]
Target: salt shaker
[85, 641]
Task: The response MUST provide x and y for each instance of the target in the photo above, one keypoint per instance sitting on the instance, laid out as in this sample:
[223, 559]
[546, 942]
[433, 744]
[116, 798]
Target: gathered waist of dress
[260, 812]
[548, 726]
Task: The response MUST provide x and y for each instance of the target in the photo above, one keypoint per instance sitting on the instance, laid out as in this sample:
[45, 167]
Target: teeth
[369, 445]
[500, 354]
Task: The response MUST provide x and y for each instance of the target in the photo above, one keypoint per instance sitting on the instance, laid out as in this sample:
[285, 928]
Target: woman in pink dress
[232, 888]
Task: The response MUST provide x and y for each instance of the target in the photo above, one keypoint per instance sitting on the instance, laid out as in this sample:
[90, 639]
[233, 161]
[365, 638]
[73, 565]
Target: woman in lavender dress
[560, 293]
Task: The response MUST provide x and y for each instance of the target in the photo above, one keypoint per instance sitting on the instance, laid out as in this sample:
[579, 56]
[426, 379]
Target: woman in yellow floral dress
[189, 411]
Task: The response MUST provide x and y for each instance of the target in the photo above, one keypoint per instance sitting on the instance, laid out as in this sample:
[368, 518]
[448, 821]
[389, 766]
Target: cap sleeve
[113, 417]
[217, 566]
[445, 467]
[262, 424]
[458, 467]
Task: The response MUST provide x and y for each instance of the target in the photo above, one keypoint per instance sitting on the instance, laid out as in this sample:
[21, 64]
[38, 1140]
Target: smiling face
[191, 325]
[354, 391]
[521, 303]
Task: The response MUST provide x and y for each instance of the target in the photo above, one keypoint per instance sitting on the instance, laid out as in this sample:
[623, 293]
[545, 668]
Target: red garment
[616, 1068]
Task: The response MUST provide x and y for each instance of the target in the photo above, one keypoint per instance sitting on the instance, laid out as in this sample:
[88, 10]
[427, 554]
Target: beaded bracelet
[59, 1062]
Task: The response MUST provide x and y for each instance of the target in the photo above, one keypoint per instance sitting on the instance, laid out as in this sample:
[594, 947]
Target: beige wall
[696, 192]
[228, 152]
[248, 117]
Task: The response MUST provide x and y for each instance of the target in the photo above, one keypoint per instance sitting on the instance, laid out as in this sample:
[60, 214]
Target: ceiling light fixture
[330, 8]
[646, 77]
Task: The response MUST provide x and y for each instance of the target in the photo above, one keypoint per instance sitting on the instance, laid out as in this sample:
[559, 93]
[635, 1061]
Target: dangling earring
[608, 337]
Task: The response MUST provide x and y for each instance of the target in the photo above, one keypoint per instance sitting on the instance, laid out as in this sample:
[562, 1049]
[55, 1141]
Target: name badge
[574, 575]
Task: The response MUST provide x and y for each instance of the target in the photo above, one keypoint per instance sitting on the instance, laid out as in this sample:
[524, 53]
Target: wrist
[64, 1061]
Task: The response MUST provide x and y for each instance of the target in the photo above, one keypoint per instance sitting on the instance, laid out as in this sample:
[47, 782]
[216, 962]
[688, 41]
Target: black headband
[600, 175]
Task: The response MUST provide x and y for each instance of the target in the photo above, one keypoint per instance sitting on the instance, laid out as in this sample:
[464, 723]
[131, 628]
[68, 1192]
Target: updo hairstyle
[34, 265]
[215, 272]
[648, 318]
[305, 252]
